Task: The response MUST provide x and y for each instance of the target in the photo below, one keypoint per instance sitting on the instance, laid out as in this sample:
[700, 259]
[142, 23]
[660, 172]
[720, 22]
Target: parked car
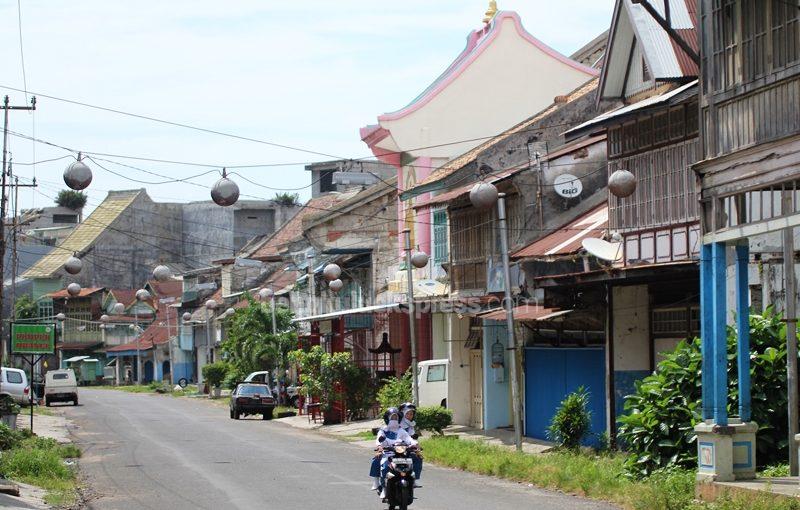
[14, 382]
[263, 376]
[60, 386]
[252, 398]
[432, 382]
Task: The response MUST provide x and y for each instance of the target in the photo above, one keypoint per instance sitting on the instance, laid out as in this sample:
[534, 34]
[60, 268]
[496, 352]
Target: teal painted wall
[496, 397]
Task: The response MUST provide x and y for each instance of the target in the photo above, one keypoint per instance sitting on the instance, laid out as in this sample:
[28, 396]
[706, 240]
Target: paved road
[159, 452]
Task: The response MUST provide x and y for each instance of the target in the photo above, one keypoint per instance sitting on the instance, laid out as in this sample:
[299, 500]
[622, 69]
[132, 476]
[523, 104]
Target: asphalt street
[159, 452]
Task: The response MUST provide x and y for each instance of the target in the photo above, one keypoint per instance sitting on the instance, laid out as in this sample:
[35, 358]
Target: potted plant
[9, 410]
[214, 374]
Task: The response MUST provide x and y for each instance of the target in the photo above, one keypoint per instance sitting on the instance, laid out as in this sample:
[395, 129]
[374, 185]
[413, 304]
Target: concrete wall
[631, 339]
[458, 384]
[440, 335]
[496, 388]
[375, 171]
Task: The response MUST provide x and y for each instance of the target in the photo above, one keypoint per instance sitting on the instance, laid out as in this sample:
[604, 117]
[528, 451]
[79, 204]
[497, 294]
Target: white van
[432, 382]
[14, 382]
[60, 386]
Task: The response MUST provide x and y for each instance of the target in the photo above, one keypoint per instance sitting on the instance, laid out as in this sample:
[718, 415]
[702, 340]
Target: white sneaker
[376, 483]
[383, 493]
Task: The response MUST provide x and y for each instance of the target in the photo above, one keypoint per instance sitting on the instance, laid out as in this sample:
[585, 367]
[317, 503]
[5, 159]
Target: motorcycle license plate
[402, 462]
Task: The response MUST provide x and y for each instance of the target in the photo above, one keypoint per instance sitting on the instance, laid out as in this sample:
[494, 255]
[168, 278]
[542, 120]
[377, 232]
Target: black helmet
[389, 412]
[408, 406]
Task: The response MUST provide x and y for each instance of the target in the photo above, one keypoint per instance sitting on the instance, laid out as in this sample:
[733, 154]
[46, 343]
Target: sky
[304, 74]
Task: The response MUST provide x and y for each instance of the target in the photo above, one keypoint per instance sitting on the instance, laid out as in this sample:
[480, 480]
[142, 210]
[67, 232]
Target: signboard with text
[33, 338]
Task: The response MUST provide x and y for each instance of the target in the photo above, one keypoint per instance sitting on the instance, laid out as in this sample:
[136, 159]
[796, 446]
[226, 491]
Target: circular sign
[182, 382]
[568, 186]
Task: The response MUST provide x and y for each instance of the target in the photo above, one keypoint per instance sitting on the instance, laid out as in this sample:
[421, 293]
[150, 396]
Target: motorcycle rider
[408, 411]
[389, 435]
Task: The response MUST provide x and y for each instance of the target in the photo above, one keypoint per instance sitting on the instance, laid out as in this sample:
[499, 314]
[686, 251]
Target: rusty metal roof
[567, 240]
[84, 234]
[524, 313]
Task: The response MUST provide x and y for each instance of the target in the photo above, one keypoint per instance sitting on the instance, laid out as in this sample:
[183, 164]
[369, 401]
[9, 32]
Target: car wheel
[236, 415]
[231, 414]
[75, 401]
[46, 401]
[267, 414]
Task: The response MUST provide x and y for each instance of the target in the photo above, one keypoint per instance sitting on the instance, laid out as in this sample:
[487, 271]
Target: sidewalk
[497, 437]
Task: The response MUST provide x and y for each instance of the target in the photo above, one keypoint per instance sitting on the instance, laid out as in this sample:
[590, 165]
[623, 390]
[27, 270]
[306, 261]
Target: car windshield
[259, 389]
[58, 377]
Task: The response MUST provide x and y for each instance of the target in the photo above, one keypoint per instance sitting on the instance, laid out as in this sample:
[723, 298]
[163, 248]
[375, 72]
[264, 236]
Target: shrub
[395, 391]
[234, 375]
[434, 418]
[658, 428]
[214, 373]
[8, 405]
[71, 199]
[10, 438]
[572, 421]
[32, 463]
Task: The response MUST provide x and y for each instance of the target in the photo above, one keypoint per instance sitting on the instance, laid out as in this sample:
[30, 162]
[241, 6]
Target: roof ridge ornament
[490, 12]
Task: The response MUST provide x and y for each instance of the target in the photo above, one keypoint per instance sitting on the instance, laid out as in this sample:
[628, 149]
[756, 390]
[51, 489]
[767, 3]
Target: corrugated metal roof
[524, 313]
[83, 293]
[567, 240]
[84, 234]
[659, 50]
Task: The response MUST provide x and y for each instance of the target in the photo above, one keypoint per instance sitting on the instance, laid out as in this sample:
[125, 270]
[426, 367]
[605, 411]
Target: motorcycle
[399, 477]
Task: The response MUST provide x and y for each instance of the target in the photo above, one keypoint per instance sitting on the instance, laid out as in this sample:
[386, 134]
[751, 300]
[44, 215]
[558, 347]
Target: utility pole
[3, 183]
[412, 319]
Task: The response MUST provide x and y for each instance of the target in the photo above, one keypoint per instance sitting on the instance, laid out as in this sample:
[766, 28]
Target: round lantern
[229, 312]
[265, 294]
[336, 285]
[419, 259]
[211, 304]
[104, 318]
[73, 265]
[61, 317]
[162, 273]
[622, 183]
[73, 289]
[77, 175]
[332, 272]
[187, 317]
[483, 195]
[119, 308]
[142, 295]
[225, 192]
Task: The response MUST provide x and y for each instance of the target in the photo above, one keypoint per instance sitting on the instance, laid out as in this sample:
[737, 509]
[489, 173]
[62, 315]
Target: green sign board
[33, 338]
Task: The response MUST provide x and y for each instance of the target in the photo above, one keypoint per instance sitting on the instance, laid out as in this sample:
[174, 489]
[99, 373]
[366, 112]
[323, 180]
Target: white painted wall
[458, 397]
[631, 328]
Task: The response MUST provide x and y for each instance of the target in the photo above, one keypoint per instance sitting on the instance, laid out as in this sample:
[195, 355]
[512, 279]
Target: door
[148, 371]
[551, 374]
[476, 388]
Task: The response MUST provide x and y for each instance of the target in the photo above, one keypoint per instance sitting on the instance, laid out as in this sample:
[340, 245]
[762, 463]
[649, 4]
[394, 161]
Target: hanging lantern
[73, 265]
[229, 312]
[104, 318]
[187, 317]
[419, 259]
[211, 304]
[77, 175]
[265, 294]
[61, 317]
[225, 192]
[119, 308]
[162, 273]
[142, 295]
[483, 195]
[622, 183]
[336, 285]
[332, 272]
[73, 289]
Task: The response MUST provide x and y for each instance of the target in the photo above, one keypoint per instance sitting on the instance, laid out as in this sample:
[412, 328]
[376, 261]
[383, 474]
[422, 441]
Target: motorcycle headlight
[400, 449]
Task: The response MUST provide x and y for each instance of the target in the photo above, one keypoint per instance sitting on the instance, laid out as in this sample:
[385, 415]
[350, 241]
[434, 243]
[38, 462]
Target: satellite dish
[603, 249]
[568, 186]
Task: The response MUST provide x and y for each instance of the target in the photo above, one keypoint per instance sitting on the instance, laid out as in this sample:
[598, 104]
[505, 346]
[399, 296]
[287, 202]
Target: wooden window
[629, 137]
[692, 119]
[677, 123]
[645, 133]
[660, 128]
[724, 44]
[46, 308]
[754, 39]
[615, 141]
[784, 20]
[440, 236]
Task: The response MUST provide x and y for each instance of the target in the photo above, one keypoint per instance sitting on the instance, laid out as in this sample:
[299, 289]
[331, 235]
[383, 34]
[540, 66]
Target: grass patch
[594, 476]
[774, 471]
[364, 435]
[42, 411]
[40, 461]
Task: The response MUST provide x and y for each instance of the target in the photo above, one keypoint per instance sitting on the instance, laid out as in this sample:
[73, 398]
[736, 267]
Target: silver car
[14, 382]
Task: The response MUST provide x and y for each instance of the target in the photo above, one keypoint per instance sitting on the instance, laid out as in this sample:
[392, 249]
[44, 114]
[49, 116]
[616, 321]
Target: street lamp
[210, 305]
[418, 260]
[77, 175]
[73, 289]
[483, 195]
[61, 318]
[119, 308]
[73, 265]
[162, 273]
[225, 192]
[269, 294]
[622, 183]
[141, 295]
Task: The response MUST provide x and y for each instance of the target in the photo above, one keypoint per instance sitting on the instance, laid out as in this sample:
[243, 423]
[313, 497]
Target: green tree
[286, 199]
[71, 199]
[250, 344]
[25, 308]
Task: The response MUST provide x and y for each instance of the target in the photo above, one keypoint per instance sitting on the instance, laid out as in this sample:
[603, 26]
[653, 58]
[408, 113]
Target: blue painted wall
[496, 395]
[183, 370]
[624, 385]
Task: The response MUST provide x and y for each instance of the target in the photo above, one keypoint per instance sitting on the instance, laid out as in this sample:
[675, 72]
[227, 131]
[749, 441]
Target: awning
[76, 358]
[351, 311]
[672, 97]
[567, 240]
[524, 313]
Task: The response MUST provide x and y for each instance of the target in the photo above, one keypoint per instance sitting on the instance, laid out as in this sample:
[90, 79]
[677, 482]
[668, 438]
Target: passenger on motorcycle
[409, 424]
[390, 435]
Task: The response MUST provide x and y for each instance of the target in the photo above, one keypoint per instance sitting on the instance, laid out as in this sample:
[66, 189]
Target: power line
[21, 50]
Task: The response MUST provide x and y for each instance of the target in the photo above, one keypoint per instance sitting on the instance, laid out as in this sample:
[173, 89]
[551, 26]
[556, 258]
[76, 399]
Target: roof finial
[490, 12]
